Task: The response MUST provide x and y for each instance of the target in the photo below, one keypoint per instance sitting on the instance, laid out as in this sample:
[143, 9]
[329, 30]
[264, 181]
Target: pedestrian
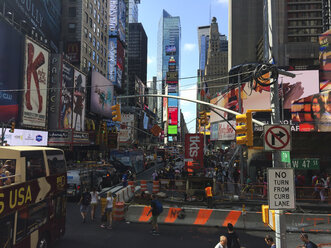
[107, 217]
[155, 175]
[85, 201]
[94, 202]
[270, 241]
[232, 238]
[125, 179]
[209, 195]
[222, 243]
[156, 209]
[306, 242]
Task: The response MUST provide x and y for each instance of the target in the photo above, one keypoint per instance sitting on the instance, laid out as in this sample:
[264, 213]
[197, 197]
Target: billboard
[79, 105]
[120, 56]
[170, 50]
[102, 94]
[22, 137]
[214, 131]
[172, 129]
[172, 116]
[35, 85]
[11, 56]
[121, 19]
[194, 148]
[225, 131]
[67, 85]
[172, 76]
[313, 113]
[112, 53]
[325, 61]
[172, 102]
[172, 88]
[126, 131]
[113, 16]
[165, 108]
[117, 18]
[41, 16]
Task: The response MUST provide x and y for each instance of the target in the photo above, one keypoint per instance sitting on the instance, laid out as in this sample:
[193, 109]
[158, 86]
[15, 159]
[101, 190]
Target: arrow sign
[277, 137]
[280, 135]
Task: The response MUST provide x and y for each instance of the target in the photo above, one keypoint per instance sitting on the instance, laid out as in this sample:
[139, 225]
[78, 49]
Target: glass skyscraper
[169, 36]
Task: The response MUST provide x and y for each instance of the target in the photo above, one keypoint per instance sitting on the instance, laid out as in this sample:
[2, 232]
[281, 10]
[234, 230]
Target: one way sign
[277, 137]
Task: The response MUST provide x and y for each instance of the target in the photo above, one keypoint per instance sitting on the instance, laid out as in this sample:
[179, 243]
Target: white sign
[277, 137]
[281, 193]
[22, 137]
[126, 131]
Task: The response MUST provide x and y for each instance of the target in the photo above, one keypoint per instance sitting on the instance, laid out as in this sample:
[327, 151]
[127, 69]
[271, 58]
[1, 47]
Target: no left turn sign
[277, 137]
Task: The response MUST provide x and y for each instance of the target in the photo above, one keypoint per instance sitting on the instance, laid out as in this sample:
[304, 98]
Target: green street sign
[286, 156]
[306, 164]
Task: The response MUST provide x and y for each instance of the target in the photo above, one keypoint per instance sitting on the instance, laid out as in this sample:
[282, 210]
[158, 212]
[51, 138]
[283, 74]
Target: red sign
[194, 148]
[173, 116]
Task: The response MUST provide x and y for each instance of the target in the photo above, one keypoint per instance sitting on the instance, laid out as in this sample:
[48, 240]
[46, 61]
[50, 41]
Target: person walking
[232, 238]
[209, 195]
[156, 209]
[270, 241]
[107, 217]
[94, 202]
[306, 242]
[84, 203]
[222, 243]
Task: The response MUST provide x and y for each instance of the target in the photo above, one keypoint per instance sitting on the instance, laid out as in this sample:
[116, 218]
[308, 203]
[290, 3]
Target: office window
[89, 65]
[91, 23]
[93, 55]
[98, 45]
[89, 51]
[94, 27]
[85, 47]
[84, 62]
[93, 67]
[97, 59]
[93, 41]
[85, 33]
[72, 27]
[91, 8]
[95, 1]
[72, 11]
[86, 17]
[98, 32]
[98, 18]
[90, 36]
[86, 4]
[101, 35]
[98, 5]
[95, 13]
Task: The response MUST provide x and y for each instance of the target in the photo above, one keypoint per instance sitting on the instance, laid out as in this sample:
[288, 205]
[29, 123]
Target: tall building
[245, 30]
[85, 34]
[168, 45]
[203, 40]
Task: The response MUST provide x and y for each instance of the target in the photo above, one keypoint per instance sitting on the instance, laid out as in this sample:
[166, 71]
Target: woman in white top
[94, 202]
[108, 211]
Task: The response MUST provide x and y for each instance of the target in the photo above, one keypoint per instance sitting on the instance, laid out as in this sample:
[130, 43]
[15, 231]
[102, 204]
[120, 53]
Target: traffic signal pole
[241, 160]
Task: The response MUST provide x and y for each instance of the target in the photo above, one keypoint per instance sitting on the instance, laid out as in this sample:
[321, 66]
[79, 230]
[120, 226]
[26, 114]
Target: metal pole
[2, 134]
[241, 160]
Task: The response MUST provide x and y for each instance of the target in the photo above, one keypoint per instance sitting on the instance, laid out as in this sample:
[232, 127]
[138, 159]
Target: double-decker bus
[32, 196]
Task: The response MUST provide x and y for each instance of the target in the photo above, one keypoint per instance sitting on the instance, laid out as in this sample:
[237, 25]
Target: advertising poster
[172, 88]
[113, 16]
[172, 116]
[325, 61]
[145, 121]
[172, 102]
[11, 57]
[119, 77]
[121, 19]
[194, 148]
[120, 55]
[172, 130]
[126, 131]
[35, 85]
[172, 76]
[225, 131]
[313, 113]
[165, 108]
[170, 50]
[214, 131]
[102, 94]
[44, 17]
[112, 53]
[66, 96]
[79, 101]
[23, 137]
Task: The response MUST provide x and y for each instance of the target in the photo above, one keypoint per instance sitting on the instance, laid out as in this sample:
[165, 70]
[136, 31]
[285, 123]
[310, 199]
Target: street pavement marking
[203, 216]
[144, 217]
[232, 218]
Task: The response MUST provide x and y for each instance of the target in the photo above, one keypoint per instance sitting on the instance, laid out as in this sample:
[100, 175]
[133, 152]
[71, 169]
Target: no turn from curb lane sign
[277, 137]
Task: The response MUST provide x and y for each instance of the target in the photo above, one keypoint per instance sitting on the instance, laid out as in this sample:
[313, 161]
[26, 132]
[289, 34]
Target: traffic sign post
[277, 137]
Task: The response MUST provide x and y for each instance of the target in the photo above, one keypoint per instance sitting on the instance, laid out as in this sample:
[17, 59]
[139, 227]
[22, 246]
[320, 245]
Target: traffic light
[12, 127]
[244, 129]
[116, 112]
[203, 118]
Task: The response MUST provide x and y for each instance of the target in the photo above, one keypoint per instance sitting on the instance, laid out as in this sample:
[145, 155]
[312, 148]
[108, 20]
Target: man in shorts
[155, 215]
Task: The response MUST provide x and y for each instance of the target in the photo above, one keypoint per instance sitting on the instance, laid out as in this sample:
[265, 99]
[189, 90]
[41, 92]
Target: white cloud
[189, 46]
[188, 92]
[223, 1]
[151, 60]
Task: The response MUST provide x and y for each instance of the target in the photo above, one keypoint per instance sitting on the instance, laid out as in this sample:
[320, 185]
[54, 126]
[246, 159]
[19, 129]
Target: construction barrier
[143, 185]
[239, 219]
[131, 183]
[118, 212]
[156, 187]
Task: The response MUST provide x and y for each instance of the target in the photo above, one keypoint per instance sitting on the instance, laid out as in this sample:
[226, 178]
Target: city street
[79, 235]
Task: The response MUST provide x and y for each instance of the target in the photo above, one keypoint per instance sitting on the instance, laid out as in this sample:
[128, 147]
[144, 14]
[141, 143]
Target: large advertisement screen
[172, 116]
[121, 19]
[11, 56]
[325, 61]
[113, 16]
[79, 101]
[172, 76]
[170, 50]
[313, 113]
[35, 85]
[172, 130]
[120, 55]
[172, 102]
[112, 53]
[102, 94]
[172, 88]
[41, 16]
[165, 108]
[65, 118]
[194, 148]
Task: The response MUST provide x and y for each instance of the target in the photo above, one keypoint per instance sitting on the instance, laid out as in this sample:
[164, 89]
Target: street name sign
[277, 137]
[281, 191]
[305, 163]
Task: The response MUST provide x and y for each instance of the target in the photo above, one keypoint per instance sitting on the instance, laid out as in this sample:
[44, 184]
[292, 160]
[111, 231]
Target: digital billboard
[165, 108]
[112, 52]
[325, 61]
[41, 16]
[120, 55]
[170, 50]
[35, 85]
[172, 102]
[11, 56]
[102, 94]
[172, 116]
[313, 113]
[121, 19]
[113, 16]
[65, 118]
[172, 130]
[172, 88]
[79, 101]
[172, 76]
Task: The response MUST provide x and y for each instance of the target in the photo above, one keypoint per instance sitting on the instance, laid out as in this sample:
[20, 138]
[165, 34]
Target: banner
[35, 85]
[126, 130]
[194, 148]
[79, 101]
[23, 137]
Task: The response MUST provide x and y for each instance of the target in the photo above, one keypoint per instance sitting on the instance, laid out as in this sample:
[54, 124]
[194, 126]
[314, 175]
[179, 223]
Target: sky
[192, 13]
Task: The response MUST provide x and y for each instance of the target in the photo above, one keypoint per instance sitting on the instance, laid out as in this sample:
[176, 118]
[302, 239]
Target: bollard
[118, 213]
[131, 184]
[156, 187]
[143, 185]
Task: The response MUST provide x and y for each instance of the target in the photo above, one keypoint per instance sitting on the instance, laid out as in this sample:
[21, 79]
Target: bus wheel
[43, 242]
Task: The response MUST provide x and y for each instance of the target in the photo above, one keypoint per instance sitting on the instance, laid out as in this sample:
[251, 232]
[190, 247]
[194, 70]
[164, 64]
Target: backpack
[158, 207]
[234, 240]
[86, 199]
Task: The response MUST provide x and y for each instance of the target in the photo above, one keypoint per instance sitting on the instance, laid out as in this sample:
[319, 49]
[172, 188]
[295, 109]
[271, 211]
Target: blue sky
[192, 13]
